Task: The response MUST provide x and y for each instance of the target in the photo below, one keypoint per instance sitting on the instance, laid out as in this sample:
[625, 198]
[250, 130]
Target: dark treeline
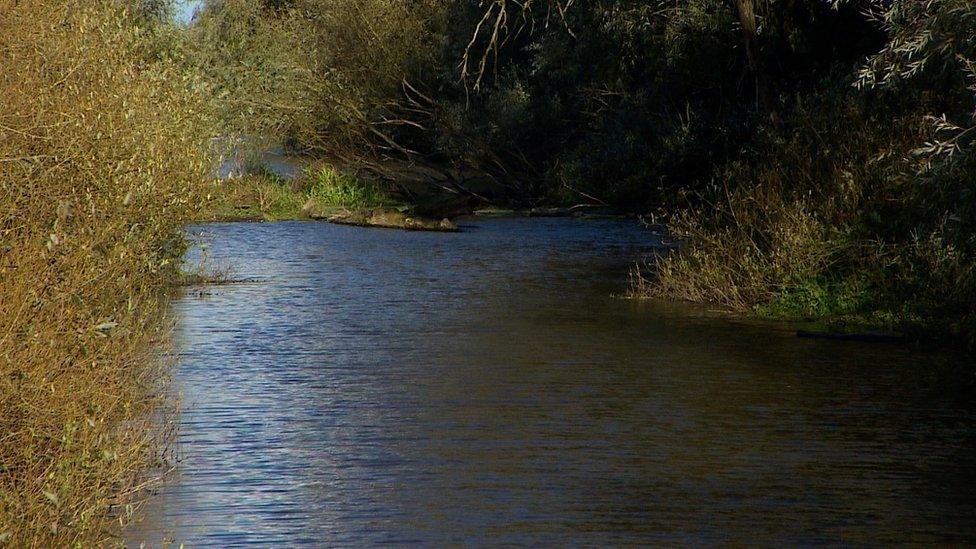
[813, 156]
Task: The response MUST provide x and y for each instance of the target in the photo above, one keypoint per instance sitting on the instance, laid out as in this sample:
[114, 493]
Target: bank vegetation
[102, 154]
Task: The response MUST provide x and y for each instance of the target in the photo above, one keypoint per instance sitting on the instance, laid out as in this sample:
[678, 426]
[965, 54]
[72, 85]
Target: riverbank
[319, 194]
[316, 193]
[852, 301]
[324, 192]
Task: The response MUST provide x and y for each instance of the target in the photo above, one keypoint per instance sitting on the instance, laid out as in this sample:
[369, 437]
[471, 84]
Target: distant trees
[630, 94]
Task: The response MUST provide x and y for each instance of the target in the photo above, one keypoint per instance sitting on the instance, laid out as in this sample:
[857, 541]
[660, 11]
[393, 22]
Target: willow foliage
[102, 149]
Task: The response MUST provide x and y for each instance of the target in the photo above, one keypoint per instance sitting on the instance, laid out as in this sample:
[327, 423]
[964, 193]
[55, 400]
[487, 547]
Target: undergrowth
[265, 196]
[822, 220]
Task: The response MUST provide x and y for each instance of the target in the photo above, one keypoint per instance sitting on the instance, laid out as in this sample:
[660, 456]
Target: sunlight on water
[484, 388]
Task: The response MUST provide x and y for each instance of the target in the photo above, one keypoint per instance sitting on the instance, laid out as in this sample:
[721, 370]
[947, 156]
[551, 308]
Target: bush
[326, 75]
[101, 157]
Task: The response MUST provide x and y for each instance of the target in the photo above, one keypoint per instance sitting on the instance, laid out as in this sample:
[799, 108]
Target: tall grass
[264, 196]
[330, 187]
[101, 155]
[822, 219]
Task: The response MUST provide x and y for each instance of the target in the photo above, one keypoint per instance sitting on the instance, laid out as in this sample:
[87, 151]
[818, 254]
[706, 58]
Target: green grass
[264, 196]
[332, 188]
[820, 298]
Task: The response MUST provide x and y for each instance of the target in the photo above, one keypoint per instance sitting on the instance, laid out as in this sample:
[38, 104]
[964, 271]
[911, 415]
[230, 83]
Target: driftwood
[389, 218]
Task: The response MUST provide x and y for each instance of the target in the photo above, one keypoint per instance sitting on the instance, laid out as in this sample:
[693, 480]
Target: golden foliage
[102, 148]
[330, 75]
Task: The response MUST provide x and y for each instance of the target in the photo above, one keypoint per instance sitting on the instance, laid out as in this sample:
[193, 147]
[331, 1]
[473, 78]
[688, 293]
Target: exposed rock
[497, 212]
[391, 219]
[439, 207]
[588, 211]
[550, 212]
[594, 211]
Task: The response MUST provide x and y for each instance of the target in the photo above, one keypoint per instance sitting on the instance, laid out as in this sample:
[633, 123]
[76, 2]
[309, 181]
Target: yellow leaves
[109, 147]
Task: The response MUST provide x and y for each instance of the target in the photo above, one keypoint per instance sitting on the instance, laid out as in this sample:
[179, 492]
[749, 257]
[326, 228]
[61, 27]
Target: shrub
[327, 75]
[787, 227]
[101, 156]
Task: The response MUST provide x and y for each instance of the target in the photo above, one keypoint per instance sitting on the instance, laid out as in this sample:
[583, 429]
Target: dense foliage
[325, 74]
[102, 151]
[860, 203]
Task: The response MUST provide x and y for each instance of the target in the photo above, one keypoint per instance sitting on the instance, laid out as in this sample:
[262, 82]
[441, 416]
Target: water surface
[184, 10]
[485, 388]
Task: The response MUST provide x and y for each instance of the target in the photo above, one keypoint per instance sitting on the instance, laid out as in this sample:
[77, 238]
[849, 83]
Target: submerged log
[388, 218]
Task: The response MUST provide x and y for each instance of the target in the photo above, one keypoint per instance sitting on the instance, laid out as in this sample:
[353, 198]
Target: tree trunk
[750, 33]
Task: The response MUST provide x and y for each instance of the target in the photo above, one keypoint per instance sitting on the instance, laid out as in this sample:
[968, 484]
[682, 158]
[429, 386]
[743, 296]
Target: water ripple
[483, 388]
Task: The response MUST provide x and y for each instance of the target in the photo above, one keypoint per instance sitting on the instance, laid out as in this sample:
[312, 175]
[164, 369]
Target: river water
[371, 386]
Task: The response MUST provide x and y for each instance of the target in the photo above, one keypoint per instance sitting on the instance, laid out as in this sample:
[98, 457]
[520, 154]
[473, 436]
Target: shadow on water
[485, 388]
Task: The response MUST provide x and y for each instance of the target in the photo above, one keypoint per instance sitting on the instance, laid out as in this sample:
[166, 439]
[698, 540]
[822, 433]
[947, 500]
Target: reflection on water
[243, 155]
[485, 388]
[185, 10]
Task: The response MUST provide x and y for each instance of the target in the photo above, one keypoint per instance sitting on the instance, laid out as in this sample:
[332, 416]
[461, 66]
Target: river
[486, 387]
